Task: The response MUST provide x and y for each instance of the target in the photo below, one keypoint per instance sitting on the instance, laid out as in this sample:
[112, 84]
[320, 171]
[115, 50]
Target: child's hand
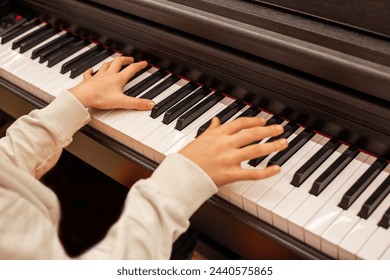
[104, 90]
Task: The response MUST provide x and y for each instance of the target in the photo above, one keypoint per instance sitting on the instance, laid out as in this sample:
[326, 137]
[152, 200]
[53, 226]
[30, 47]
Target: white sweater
[156, 210]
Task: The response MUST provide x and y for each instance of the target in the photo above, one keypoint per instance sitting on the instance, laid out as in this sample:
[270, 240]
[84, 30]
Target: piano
[321, 71]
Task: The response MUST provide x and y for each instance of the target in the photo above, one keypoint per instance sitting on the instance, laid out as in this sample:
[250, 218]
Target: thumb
[215, 122]
[141, 104]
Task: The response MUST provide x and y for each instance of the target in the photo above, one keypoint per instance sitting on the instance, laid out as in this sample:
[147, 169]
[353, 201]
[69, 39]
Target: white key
[9, 44]
[150, 124]
[67, 82]
[144, 125]
[362, 231]
[298, 194]
[175, 135]
[29, 68]
[131, 119]
[376, 245]
[157, 134]
[115, 120]
[155, 138]
[223, 191]
[192, 134]
[267, 202]
[386, 254]
[7, 47]
[329, 212]
[300, 216]
[98, 115]
[253, 193]
[57, 82]
[344, 223]
[134, 130]
[236, 189]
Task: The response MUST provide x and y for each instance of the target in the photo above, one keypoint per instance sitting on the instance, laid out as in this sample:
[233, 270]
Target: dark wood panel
[372, 16]
[246, 235]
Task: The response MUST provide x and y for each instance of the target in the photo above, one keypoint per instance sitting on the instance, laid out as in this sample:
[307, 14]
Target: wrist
[80, 95]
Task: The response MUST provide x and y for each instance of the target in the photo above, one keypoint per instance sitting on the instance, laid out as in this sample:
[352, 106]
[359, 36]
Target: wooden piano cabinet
[246, 235]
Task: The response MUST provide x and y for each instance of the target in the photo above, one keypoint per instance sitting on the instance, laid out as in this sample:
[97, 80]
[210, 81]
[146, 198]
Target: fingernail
[263, 120]
[279, 128]
[276, 168]
[283, 142]
[150, 104]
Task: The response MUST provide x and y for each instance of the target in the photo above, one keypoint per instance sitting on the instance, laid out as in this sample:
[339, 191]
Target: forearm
[35, 141]
[157, 212]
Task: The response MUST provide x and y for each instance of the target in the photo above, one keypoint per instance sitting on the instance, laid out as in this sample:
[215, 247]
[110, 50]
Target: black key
[30, 36]
[198, 110]
[12, 34]
[185, 104]
[80, 59]
[385, 221]
[333, 170]
[362, 183]
[276, 119]
[48, 46]
[11, 26]
[230, 111]
[62, 53]
[375, 199]
[57, 49]
[314, 162]
[281, 157]
[173, 99]
[139, 73]
[250, 112]
[146, 83]
[223, 116]
[53, 45]
[289, 129]
[29, 44]
[92, 61]
[153, 92]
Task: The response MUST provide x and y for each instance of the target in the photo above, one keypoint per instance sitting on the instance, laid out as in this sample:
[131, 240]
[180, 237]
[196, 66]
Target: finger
[243, 123]
[259, 150]
[257, 174]
[141, 104]
[87, 74]
[103, 68]
[255, 134]
[132, 69]
[215, 122]
[118, 62]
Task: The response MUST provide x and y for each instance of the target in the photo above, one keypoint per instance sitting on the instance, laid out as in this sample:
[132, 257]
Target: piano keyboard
[330, 196]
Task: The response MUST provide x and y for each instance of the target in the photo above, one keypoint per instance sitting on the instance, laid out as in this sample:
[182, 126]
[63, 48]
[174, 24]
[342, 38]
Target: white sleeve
[34, 142]
[156, 212]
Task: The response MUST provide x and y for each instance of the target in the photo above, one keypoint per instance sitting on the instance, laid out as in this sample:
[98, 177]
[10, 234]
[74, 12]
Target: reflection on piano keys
[32, 57]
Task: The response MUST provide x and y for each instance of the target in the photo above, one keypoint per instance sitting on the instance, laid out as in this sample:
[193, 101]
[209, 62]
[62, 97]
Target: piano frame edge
[237, 226]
